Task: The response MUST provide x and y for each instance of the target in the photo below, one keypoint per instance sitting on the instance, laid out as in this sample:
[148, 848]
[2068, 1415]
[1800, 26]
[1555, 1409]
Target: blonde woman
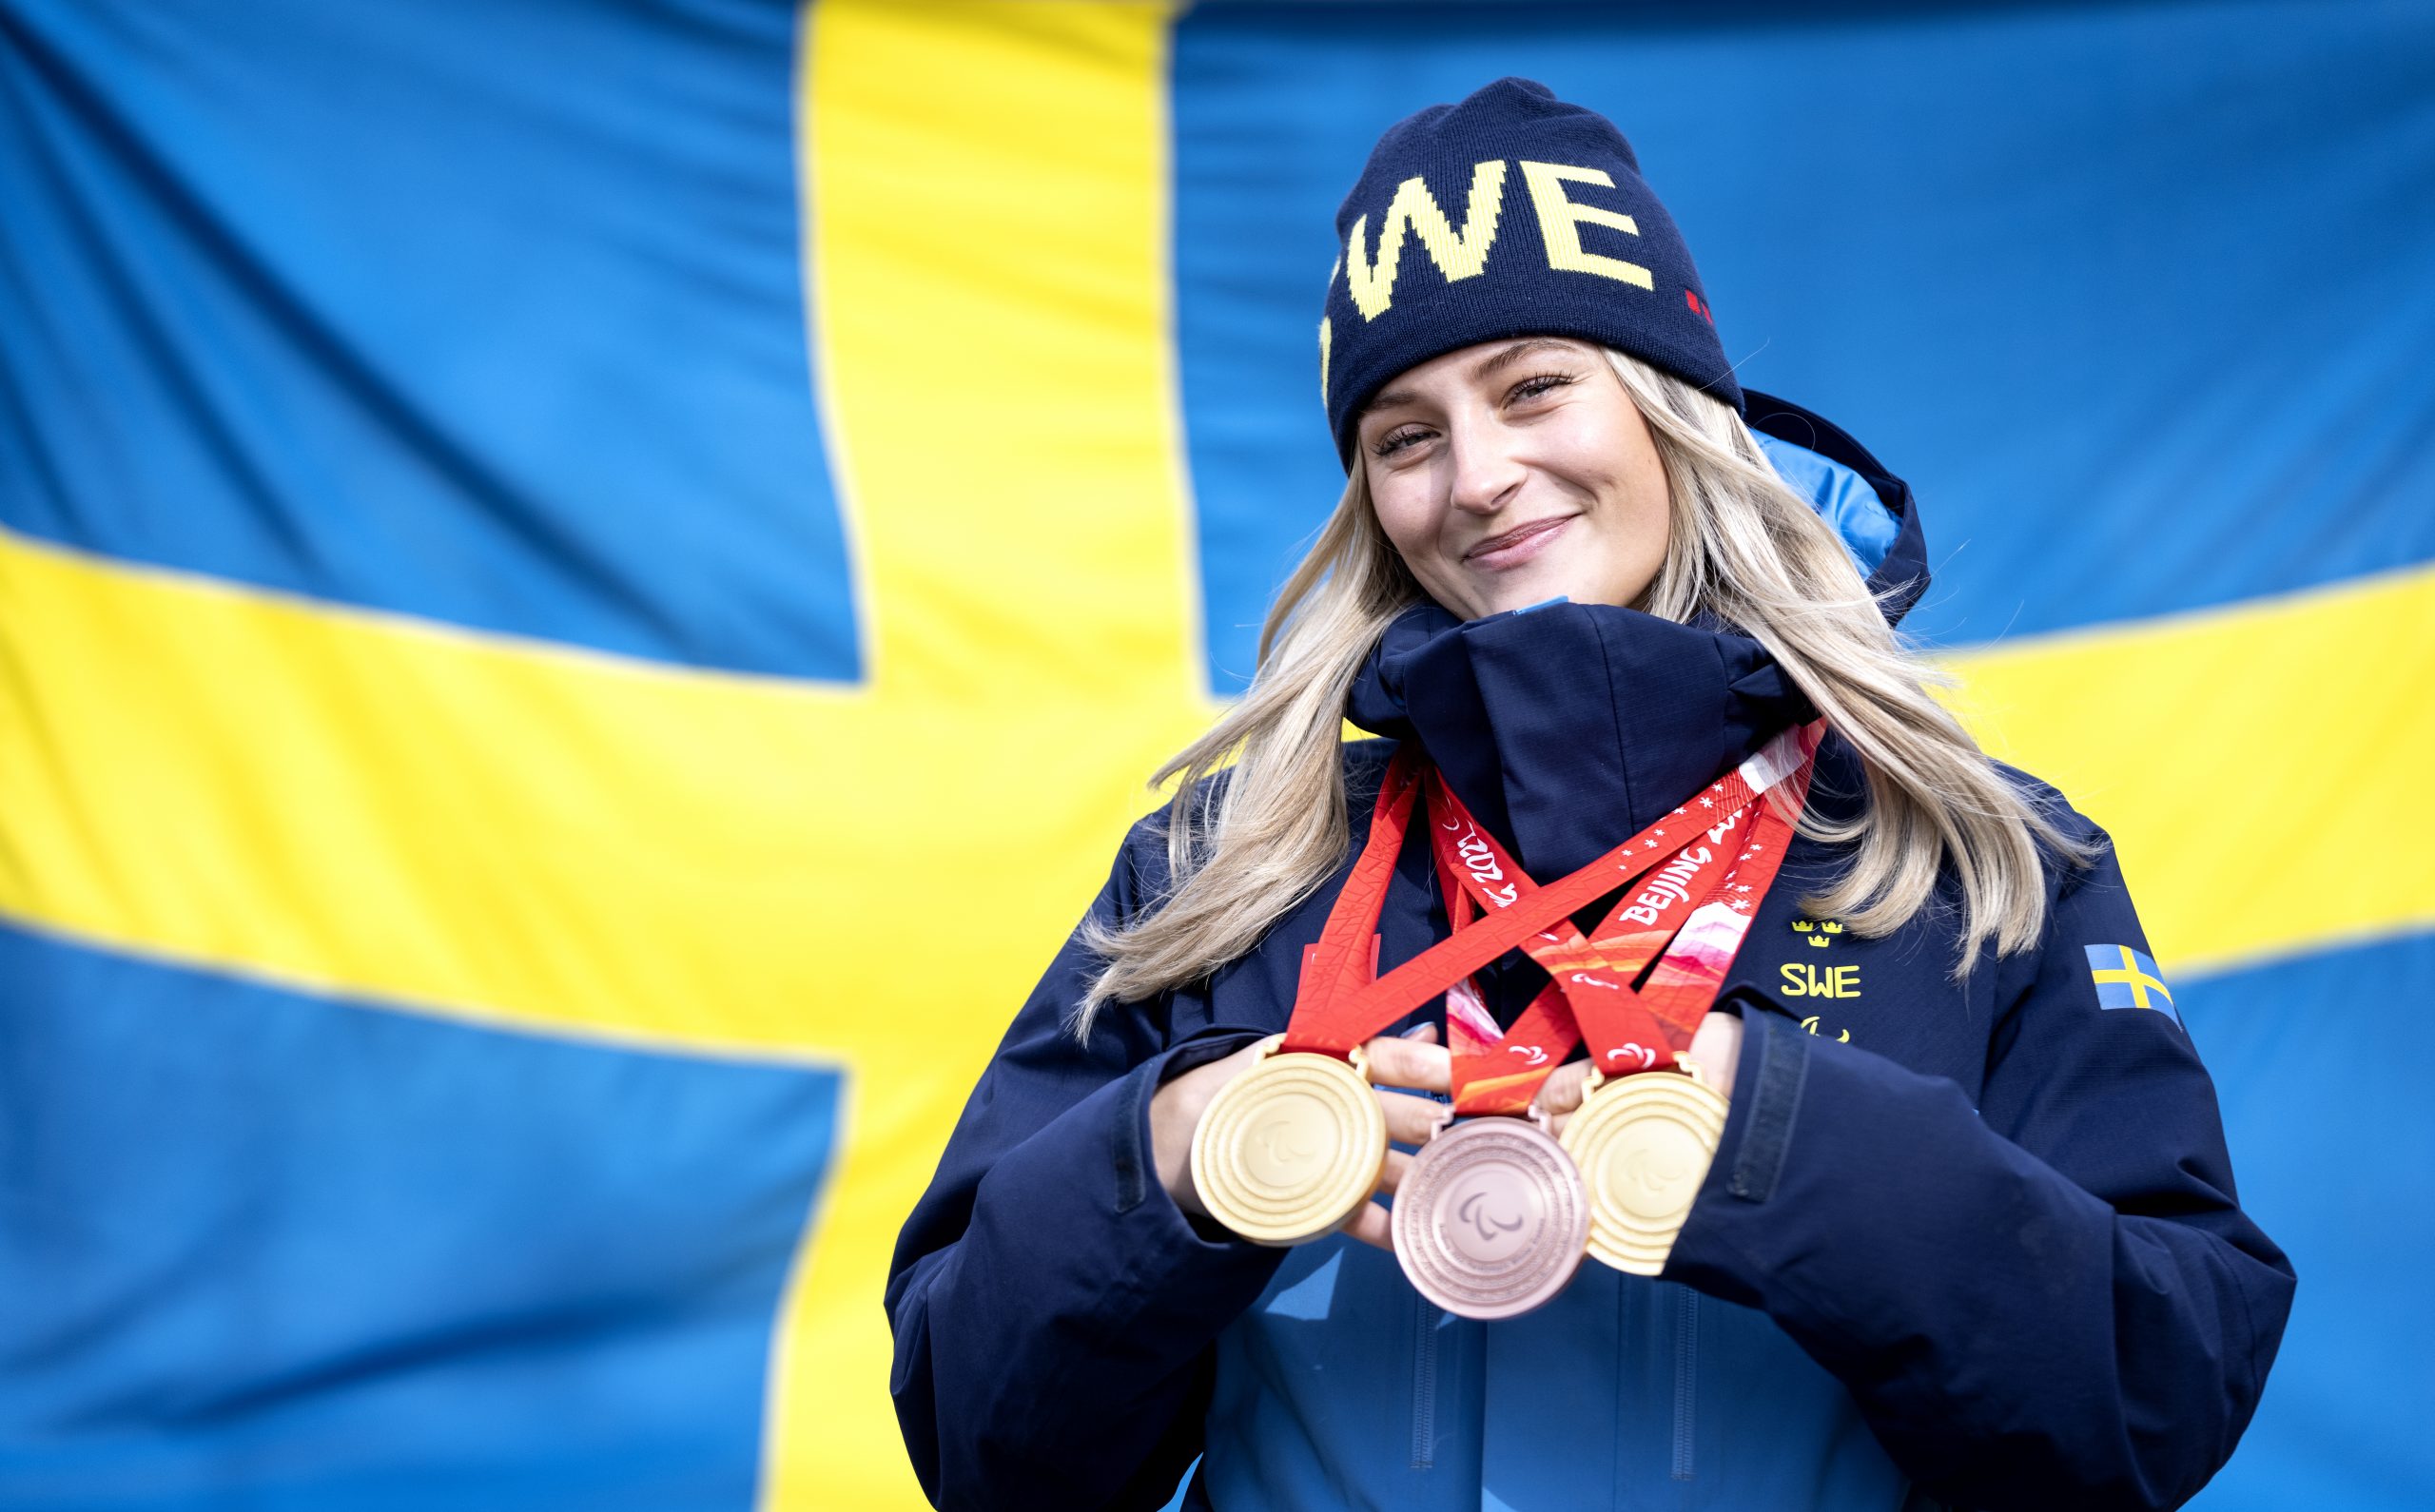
[1967, 1233]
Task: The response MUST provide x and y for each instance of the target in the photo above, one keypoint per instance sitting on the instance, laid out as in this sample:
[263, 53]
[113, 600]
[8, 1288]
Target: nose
[1484, 473]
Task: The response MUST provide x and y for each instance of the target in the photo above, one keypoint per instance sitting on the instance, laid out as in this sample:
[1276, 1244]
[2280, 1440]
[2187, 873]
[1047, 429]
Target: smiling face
[1511, 472]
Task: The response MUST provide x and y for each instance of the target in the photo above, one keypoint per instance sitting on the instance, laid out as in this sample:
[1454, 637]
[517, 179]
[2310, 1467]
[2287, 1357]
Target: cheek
[1643, 483]
[1407, 519]
[1633, 486]
[1642, 523]
[1649, 509]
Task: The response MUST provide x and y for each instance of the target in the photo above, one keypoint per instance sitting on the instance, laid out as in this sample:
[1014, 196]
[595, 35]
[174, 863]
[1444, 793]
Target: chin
[1510, 591]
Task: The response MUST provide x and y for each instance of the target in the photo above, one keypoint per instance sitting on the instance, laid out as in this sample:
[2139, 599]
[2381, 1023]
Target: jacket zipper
[1687, 1384]
[1424, 1384]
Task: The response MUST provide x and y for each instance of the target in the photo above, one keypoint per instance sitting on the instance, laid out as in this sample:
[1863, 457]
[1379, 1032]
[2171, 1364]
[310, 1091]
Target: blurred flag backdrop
[586, 588]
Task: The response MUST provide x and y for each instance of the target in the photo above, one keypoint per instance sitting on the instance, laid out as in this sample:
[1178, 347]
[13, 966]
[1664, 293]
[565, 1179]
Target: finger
[1371, 1226]
[1425, 1034]
[1411, 1120]
[1392, 1178]
[1716, 1048]
[1561, 1093]
[1398, 1062]
[1207, 1078]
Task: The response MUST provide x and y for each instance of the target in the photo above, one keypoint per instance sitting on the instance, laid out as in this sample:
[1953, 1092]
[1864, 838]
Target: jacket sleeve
[1052, 1307]
[2052, 1299]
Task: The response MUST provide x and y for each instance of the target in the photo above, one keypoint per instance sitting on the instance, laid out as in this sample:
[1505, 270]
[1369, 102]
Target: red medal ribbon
[1341, 1002]
[1351, 933]
[1585, 988]
[1594, 979]
[1484, 1080]
[1720, 904]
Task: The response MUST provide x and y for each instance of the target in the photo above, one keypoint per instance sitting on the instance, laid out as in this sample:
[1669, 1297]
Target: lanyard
[1590, 991]
[1345, 956]
[1495, 1070]
[1701, 900]
[1342, 1002]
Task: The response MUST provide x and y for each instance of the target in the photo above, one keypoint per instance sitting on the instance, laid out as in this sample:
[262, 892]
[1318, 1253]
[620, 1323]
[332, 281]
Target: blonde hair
[1244, 849]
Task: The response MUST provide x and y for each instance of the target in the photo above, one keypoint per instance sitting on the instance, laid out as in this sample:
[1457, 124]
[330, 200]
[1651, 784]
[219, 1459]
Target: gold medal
[1644, 1143]
[1289, 1148]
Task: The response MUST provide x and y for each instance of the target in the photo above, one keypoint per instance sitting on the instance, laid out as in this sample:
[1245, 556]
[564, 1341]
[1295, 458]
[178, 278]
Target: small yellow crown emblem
[1821, 932]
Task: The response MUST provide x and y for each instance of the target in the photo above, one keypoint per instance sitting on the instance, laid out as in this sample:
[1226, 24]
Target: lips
[1516, 546]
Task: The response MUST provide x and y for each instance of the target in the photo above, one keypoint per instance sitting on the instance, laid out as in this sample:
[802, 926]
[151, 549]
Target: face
[1511, 472]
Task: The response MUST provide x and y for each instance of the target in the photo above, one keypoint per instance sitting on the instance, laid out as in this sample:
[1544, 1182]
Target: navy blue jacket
[1971, 1242]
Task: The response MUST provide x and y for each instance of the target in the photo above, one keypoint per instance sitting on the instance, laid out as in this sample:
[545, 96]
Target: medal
[1491, 1219]
[1287, 1151]
[1289, 1148]
[1643, 1145]
[1643, 1139]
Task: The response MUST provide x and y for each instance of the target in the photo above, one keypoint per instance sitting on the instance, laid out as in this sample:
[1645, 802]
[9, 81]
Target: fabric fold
[1568, 726]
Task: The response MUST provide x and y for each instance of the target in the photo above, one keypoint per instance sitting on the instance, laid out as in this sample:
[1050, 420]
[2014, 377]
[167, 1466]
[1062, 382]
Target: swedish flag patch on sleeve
[2128, 978]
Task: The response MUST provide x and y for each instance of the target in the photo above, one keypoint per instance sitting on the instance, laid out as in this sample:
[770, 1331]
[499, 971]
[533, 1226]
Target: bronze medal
[1292, 1148]
[1490, 1220]
[1644, 1143]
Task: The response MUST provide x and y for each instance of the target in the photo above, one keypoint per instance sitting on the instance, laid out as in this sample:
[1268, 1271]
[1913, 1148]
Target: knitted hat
[1531, 218]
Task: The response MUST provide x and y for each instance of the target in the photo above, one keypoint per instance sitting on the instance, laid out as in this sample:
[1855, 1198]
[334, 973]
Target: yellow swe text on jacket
[1803, 979]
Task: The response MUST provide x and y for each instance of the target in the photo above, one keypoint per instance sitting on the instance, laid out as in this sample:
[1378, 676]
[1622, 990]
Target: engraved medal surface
[1287, 1151]
[1644, 1144]
[1491, 1219]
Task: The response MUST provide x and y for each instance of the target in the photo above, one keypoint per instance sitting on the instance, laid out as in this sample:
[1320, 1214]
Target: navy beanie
[1508, 214]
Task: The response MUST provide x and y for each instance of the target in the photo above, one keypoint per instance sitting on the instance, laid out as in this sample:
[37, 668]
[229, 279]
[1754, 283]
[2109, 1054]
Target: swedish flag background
[586, 589]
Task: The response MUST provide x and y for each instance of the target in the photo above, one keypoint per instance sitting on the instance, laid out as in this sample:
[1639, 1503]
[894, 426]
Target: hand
[1417, 1061]
[1715, 1045]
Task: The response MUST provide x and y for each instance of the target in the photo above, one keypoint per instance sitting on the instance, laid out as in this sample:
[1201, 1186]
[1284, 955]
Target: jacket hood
[1568, 726]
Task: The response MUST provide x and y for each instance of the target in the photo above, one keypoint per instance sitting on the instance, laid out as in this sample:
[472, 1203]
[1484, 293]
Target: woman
[1968, 1235]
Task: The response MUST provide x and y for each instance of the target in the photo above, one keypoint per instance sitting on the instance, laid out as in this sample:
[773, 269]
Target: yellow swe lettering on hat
[1458, 254]
[1560, 221]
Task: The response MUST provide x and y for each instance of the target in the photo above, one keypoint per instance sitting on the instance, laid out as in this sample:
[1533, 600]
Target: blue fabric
[2209, 223]
[1591, 254]
[1978, 1241]
[1844, 499]
[536, 1274]
[2343, 1424]
[449, 391]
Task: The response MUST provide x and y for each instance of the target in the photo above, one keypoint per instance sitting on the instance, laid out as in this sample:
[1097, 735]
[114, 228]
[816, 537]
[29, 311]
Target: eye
[1396, 441]
[1538, 385]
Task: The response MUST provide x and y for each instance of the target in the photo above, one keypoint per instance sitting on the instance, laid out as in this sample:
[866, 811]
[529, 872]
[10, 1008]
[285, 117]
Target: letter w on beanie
[1508, 214]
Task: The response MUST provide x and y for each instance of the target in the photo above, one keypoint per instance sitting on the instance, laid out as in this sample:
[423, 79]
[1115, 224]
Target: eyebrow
[1519, 350]
[1486, 368]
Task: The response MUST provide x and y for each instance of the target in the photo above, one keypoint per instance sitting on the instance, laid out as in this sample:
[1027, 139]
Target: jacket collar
[1570, 728]
[1903, 575]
